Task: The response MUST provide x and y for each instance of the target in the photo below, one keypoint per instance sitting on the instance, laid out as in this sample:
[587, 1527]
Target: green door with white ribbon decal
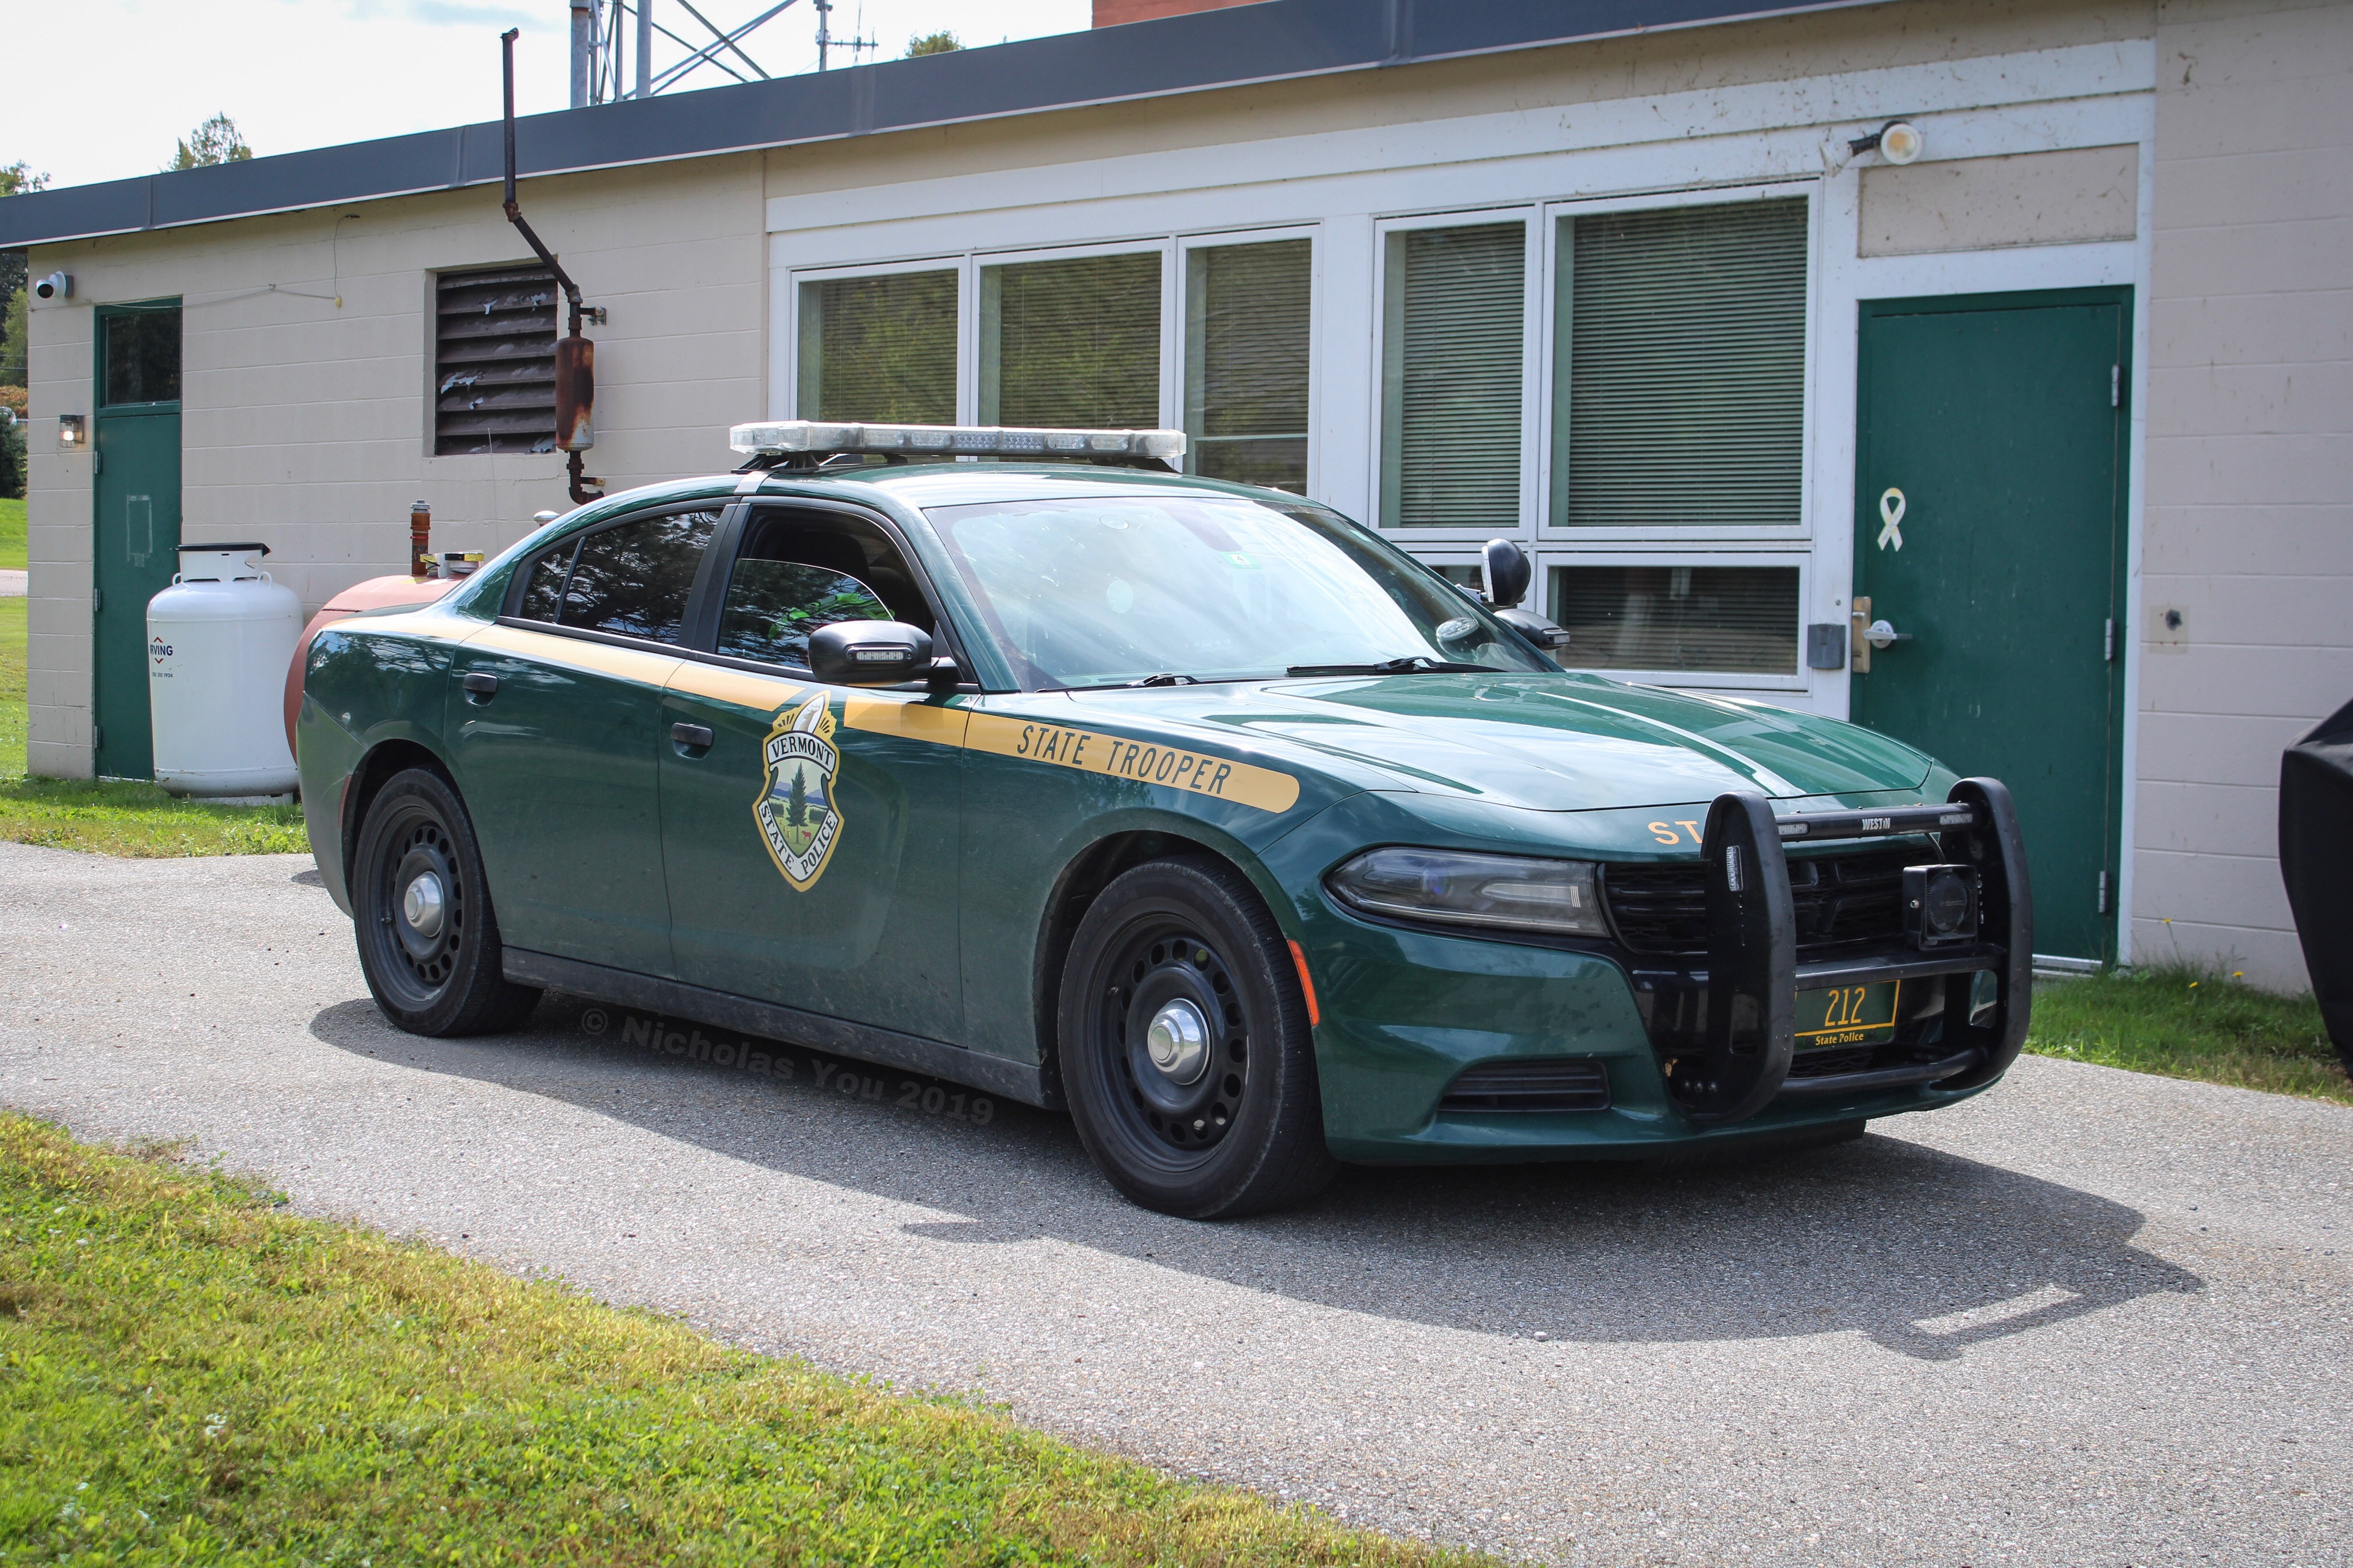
[1989, 556]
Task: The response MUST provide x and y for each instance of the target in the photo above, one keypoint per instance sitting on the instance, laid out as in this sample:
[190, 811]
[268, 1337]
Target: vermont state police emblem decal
[797, 817]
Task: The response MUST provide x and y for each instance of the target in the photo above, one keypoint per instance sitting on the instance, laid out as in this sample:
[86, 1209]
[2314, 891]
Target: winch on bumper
[1684, 1024]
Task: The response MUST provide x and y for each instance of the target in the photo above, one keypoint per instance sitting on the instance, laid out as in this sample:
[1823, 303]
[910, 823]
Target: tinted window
[634, 579]
[543, 587]
[143, 357]
[773, 605]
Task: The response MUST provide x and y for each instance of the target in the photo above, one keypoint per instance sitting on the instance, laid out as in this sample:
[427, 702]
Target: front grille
[1540, 1085]
[1840, 900]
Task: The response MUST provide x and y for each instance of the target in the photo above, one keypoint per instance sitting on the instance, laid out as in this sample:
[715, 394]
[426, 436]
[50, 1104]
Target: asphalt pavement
[2090, 1318]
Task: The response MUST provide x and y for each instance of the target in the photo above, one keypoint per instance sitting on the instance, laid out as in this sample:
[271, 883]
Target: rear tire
[1185, 1046]
[429, 939]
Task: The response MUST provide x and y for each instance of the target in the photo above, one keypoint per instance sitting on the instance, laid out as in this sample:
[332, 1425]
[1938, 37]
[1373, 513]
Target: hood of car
[1547, 743]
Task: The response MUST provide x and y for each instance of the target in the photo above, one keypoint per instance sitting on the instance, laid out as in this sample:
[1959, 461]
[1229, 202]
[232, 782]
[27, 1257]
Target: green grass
[110, 816]
[191, 1375]
[2185, 1022]
[12, 534]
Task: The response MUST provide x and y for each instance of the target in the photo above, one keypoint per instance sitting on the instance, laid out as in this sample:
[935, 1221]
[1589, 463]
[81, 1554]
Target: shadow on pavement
[1926, 1253]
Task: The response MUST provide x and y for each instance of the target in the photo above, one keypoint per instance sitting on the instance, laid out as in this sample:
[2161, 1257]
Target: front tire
[429, 939]
[1185, 1046]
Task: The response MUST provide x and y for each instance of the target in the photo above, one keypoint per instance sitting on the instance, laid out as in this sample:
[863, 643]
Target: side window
[799, 571]
[633, 579]
[542, 584]
[773, 605]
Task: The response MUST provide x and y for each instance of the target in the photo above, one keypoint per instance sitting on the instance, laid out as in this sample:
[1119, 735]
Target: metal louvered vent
[1534, 1084]
[494, 361]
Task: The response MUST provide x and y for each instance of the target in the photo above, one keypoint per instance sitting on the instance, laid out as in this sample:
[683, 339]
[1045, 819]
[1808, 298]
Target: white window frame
[787, 395]
[1530, 216]
[1797, 680]
[1220, 239]
[1172, 338]
[1799, 533]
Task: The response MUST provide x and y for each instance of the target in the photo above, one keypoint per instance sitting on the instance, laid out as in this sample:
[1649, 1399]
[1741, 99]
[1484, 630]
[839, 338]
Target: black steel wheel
[428, 940]
[1185, 1046]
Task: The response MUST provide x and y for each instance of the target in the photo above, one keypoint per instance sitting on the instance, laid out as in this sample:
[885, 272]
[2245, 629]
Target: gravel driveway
[2091, 1318]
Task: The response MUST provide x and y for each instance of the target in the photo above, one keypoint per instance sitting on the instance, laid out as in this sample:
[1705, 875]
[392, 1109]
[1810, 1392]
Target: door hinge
[2104, 892]
[96, 600]
[97, 736]
[2116, 387]
[2108, 642]
[97, 462]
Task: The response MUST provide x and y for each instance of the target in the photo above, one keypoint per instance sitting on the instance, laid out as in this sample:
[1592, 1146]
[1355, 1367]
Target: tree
[217, 140]
[18, 176]
[13, 325]
[939, 42]
[797, 800]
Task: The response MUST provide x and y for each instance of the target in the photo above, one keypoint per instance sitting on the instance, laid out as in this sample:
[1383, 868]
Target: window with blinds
[1073, 342]
[1246, 336]
[494, 361]
[1737, 620]
[1680, 365]
[1452, 344]
[880, 349]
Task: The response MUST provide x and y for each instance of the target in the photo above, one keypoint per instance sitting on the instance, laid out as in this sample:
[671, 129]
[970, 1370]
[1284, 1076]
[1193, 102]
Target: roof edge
[1168, 57]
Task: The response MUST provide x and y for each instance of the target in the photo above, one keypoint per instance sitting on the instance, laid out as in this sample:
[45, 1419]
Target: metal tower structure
[613, 40]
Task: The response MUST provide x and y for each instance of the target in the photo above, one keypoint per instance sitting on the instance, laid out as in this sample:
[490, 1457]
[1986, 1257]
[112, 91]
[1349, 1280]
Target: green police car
[1193, 807]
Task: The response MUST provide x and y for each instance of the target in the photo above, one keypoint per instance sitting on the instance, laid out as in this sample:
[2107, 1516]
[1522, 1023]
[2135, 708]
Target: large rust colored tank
[376, 593]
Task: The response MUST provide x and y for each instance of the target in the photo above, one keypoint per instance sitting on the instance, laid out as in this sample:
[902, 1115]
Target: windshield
[1121, 590]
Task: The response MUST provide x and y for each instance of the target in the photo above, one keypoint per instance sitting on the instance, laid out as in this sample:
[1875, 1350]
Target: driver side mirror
[1505, 567]
[877, 653]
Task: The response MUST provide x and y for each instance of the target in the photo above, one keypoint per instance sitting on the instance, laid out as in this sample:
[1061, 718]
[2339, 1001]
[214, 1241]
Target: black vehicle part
[2315, 856]
[428, 938]
[1728, 1033]
[1538, 1083]
[1184, 1046]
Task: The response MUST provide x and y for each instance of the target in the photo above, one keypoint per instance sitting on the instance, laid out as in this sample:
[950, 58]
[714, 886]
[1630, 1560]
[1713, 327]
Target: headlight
[1511, 891]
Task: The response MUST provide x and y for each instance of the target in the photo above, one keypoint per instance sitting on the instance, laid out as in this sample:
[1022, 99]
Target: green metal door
[135, 518]
[1990, 533]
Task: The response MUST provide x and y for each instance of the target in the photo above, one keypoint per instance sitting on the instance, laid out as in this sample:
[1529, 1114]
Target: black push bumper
[1749, 1044]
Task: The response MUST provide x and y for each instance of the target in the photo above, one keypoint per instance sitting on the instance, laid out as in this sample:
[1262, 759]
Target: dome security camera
[55, 286]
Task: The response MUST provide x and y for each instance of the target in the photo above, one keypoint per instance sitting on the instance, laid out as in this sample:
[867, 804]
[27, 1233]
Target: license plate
[1848, 1016]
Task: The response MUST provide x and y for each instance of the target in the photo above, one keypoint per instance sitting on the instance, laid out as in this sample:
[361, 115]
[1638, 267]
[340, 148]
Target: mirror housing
[1506, 570]
[869, 653]
[1534, 627]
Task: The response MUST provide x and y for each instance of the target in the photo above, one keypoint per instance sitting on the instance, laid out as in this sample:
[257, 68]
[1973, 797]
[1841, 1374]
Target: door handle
[480, 686]
[693, 737]
[1882, 634]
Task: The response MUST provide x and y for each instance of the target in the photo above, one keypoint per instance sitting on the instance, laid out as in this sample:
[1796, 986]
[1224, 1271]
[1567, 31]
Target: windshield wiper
[1165, 679]
[1411, 664]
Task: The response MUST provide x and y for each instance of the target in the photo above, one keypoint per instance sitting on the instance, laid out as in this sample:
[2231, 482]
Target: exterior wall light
[1898, 142]
[72, 432]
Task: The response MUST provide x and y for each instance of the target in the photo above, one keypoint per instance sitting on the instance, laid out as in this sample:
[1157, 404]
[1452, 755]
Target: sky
[103, 89]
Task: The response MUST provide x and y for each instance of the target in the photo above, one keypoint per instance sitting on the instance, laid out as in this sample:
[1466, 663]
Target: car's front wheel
[429, 939]
[1185, 1046]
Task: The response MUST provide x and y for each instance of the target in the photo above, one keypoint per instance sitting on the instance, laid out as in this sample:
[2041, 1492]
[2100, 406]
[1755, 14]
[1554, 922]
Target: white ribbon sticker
[1890, 512]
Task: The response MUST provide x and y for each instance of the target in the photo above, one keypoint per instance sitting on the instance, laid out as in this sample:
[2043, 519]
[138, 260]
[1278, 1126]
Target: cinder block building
[2023, 326]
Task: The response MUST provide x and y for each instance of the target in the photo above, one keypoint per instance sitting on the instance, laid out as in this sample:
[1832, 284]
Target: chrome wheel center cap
[1178, 1041]
[421, 906]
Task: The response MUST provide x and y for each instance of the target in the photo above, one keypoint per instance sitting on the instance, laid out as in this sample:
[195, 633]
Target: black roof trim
[1249, 43]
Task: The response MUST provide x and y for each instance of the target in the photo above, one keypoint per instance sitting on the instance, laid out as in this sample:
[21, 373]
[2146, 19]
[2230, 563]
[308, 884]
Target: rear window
[632, 579]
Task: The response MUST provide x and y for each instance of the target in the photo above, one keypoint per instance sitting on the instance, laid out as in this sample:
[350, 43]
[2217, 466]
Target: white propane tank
[218, 640]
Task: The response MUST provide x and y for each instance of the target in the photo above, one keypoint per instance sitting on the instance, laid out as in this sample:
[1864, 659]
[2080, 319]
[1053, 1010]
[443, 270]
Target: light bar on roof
[785, 437]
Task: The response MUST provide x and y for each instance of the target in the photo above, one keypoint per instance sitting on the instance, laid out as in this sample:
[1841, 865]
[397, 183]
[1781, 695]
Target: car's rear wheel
[429, 939]
[1185, 1046]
